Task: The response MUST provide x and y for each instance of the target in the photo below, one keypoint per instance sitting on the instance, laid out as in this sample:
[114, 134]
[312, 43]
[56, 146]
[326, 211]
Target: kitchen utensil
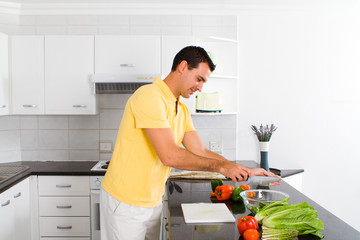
[262, 180]
[206, 213]
[252, 198]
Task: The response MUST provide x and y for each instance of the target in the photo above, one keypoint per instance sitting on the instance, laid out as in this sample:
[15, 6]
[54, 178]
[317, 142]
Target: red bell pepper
[223, 192]
[247, 222]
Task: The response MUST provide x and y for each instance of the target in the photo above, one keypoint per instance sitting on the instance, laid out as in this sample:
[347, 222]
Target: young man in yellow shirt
[154, 125]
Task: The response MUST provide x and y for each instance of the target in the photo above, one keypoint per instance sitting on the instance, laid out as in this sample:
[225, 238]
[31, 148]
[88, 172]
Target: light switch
[105, 146]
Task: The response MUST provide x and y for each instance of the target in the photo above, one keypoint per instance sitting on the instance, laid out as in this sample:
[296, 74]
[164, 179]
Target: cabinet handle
[17, 195]
[2, 106]
[30, 105]
[62, 207]
[79, 106]
[6, 203]
[63, 186]
[66, 227]
[127, 65]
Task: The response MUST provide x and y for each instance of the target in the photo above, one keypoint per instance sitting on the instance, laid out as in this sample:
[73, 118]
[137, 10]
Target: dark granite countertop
[50, 168]
[196, 191]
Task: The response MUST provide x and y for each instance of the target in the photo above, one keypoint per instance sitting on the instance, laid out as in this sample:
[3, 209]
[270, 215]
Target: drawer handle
[2, 106]
[127, 65]
[17, 195]
[62, 207]
[79, 106]
[63, 186]
[30, 105]
[67, 227]
[6, 203]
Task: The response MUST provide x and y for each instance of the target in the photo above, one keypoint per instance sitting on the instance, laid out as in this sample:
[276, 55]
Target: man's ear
[182, 66]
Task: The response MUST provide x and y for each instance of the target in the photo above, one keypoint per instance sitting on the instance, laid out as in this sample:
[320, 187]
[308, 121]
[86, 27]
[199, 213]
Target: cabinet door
[69, 64]
[20, 195]
[27, 74]
[127, 54]
[6, 216]
[4, 75]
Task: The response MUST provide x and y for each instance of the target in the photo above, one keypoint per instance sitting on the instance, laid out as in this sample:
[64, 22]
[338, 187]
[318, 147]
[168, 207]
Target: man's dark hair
[193, 55]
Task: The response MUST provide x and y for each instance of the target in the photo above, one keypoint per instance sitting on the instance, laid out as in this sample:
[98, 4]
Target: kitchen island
[198, 191]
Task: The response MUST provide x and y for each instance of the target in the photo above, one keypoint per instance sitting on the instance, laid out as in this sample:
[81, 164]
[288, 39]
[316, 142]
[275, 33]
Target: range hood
[106, 83]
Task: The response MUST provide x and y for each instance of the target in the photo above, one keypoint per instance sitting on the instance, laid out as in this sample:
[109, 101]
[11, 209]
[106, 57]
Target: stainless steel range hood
[120, 83]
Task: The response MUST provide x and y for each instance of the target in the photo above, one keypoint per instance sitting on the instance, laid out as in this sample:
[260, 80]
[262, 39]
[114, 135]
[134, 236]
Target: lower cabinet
[15, 212]
[64, 207]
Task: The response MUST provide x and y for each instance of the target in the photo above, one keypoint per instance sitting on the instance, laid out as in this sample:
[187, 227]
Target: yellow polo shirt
[136, 175]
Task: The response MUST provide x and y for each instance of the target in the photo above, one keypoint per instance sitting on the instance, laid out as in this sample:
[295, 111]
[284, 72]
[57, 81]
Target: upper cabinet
[69, 64]
[27, 74]
[4, 75]
[128, 55]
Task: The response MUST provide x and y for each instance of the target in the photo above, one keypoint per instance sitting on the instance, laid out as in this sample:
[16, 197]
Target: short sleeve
[149, 109]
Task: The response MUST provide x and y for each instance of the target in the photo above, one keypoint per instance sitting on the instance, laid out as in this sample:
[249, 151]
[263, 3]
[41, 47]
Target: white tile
[51, 30]
[105, 156]
[214, 121]
[229, 154]
[29, 122]
[84, 139]
[82, 30]
[116, 29]
[12, 19]
[53, 139]
[53, 122]
[206, 20]
[109, 135]
[228, 32]
[110, 119]
[53, 155]
[82, 20]
[8, 29]
[176, 20]
[113, 100]
[229, 20]
[84, 122]
[29, 155]
[87, 155]
[145, 20]
[176, 30]
[114, 20]
[10, 140]
[27, 20]
[10, 156]
[9, 123]
[26, 30]
[145, 30]
[206, 30]
[51, 20]
[29, 140]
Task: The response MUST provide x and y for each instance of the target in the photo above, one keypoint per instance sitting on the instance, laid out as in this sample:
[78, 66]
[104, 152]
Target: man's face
[194, 79]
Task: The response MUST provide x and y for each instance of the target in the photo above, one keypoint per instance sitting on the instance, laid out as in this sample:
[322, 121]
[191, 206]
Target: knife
[261, 180]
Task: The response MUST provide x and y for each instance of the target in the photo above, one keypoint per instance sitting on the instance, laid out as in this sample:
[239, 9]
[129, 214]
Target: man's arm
[171, 155]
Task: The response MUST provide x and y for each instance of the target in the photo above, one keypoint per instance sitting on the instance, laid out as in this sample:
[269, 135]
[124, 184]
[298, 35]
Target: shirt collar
[165, 89]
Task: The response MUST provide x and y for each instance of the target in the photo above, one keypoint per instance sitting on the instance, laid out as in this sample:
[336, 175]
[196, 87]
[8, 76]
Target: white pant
[120, 221]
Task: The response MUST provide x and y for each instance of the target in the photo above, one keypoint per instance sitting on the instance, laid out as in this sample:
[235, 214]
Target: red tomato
[245, 187]
[251, 234]
[250, 194]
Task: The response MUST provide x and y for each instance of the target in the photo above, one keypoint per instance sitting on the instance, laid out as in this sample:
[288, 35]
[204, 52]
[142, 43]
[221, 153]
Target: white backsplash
[54, 138]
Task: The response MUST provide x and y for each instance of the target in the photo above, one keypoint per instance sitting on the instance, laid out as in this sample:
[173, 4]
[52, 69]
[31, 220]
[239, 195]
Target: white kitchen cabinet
[4, 75]
[64, 206]
[27, 74]
[15, 212]
[128, 55]
[69, 64]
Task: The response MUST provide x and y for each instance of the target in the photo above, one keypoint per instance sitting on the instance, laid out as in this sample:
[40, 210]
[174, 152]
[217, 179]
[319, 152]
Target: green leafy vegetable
[278, 234]
[300, 217]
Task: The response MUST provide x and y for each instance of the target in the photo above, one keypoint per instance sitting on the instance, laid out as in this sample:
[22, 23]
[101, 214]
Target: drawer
[64, 206]
[64, 185]
[64, 226]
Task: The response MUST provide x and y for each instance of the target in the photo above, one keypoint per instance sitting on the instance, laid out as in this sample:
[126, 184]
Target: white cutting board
[206, 213]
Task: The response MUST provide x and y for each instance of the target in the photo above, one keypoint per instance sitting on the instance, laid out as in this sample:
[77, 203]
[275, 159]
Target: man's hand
[263, 172]
[235, 171]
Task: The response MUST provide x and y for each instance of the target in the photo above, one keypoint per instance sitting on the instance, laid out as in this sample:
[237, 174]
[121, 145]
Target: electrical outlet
[105, 146]
[216, 146]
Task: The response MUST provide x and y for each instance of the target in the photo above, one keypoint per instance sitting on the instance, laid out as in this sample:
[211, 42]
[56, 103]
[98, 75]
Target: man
[154, 125]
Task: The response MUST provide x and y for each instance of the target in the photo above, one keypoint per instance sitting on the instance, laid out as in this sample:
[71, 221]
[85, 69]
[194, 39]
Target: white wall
[300, 69]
